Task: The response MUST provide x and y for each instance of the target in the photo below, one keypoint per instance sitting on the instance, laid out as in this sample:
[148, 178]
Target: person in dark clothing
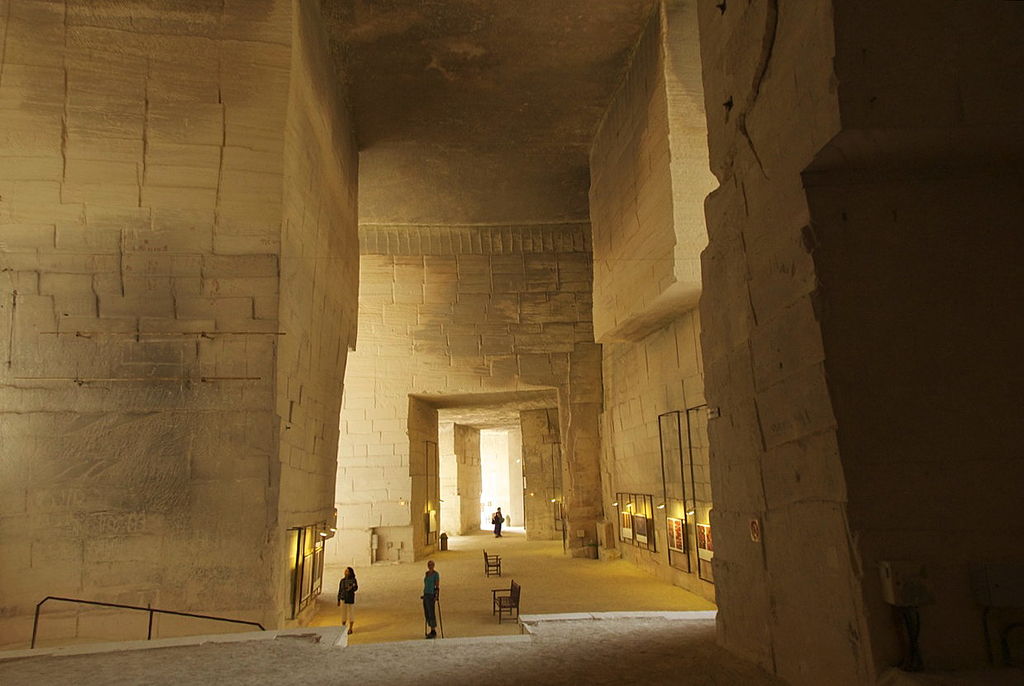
[347, 598]
[431, 589]
[497, 519]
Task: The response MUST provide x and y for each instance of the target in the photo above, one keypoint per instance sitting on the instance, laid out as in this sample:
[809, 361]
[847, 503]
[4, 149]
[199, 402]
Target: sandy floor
[388, 646]
[388, 606]
[625, 651]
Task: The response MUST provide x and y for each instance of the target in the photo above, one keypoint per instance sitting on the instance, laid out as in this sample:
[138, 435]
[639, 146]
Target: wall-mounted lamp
[554, 500]
[323, 534]
[661, 507]
[690, 513]
[333, 530]
[615, 504]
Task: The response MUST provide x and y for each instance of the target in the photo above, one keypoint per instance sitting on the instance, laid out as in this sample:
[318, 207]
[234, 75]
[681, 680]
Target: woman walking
[347, 598]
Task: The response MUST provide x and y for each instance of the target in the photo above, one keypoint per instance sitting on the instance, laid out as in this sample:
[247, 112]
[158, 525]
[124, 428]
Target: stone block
[795, 407]
[204, 307]
[185, 123]
[26, 236]
[786, 343]
[176, 198]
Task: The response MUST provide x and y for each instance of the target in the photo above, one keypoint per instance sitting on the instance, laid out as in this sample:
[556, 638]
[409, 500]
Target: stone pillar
[424, 465]
[467, 455]
[516, 510]
[862, 248]
[579, 410]
[542, 467]
[451, 514]
[460, 478]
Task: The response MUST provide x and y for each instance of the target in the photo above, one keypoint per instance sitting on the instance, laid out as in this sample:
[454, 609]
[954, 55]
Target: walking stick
[440, 620]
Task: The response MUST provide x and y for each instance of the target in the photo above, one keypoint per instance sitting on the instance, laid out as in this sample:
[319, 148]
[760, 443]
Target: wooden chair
[492, 564]
[505, 600]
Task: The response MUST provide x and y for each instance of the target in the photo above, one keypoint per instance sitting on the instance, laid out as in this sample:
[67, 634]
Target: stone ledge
[325, 637]
[684, 615]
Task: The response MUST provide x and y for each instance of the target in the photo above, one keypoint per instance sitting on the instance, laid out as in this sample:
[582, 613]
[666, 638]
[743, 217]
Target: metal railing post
[149, 608]
[35, 622]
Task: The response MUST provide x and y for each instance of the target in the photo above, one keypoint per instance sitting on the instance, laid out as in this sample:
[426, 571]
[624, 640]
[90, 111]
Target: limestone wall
[916, 209]
[662, 373]
[461, 310]
[857, 255]
[631, 194]
[788, 601]
[649, 176]
[141, 202]
[319, 276]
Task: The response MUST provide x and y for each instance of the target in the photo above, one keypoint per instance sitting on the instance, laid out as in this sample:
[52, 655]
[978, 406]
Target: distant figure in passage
[497, 519]
[347, 598]
[431, 589]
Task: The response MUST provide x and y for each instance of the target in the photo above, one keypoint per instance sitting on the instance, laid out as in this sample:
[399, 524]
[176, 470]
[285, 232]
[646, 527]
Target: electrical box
[904, 584]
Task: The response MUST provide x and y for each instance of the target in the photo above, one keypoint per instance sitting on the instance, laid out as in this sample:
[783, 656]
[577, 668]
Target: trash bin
[444, 541]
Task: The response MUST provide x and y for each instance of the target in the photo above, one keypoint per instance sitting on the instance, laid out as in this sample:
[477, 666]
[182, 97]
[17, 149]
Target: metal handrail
[150, 610]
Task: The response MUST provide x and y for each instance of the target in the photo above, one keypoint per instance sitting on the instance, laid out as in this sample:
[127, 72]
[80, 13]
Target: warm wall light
[615, 504]
[661, 507]
[554, 500]
[333, 530]
[323, 534]
[690, 513]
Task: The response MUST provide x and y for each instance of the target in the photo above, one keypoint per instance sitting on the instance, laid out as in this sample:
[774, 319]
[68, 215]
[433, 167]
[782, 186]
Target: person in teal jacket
[431, 589]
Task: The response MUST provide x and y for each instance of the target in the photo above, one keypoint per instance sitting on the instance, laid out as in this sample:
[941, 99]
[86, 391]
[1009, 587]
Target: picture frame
[705, 544]
[676, 534]
[626, 526]
[640, 528]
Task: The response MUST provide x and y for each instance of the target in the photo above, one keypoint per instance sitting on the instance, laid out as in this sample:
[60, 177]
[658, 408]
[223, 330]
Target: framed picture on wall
[640, 528]
[676, 534]
[625, 526]
[705, 544]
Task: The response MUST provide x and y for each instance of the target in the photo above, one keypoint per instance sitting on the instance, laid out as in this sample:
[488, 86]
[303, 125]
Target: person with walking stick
[431, 589]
